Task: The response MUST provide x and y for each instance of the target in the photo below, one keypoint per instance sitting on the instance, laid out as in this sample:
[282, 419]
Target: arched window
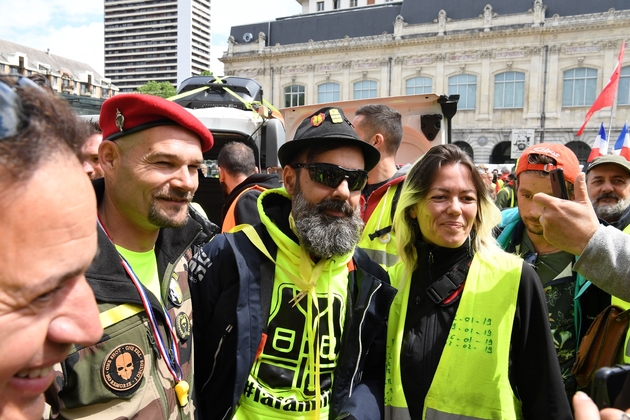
[501, 154]
[418, 85]
[581, 150]
[328, 92]
[509, 89]
[579, 87]
[623, 95]
[293, 96]
[466, 86]
[365, 89]
[466, 148]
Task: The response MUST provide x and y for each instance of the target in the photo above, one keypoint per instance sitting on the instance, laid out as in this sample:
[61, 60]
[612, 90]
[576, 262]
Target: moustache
[335, 205]
[175, 196]
[607, 195]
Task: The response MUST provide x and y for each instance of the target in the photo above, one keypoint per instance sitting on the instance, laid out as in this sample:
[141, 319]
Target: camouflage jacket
[123, 376]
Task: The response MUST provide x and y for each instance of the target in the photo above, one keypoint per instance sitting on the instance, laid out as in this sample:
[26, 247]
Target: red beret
[129, 113]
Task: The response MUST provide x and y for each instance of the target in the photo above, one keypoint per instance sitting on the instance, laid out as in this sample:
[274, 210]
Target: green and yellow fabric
[472, 380]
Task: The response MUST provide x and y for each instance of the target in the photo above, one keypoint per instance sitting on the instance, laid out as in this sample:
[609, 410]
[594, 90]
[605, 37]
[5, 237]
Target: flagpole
[606, 96]
[612, 111]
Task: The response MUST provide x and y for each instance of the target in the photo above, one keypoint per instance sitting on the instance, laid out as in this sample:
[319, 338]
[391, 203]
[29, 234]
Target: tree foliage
[161, 89]
[206, 73]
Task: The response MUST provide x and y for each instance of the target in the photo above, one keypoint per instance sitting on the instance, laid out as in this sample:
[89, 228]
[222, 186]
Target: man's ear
[221, 174]
[108, 155]
[289, 178]
[378, 140]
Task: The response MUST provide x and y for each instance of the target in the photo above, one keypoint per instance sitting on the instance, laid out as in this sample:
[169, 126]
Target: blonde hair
[415, 190]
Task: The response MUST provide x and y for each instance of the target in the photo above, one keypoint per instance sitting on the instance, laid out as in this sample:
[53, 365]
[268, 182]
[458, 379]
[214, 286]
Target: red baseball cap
[129, 113]
[564, 157]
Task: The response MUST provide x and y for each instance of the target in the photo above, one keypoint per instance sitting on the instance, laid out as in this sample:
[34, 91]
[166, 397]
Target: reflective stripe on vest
[476, 354]
[230, 220]
[118, 313]
[381, 249]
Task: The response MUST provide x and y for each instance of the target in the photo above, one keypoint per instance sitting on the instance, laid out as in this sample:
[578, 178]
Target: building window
[327, 92]
[365, 89]
[418, 85]
[336, 4]
[293, 96]
[320, 6]
[509, 89]
[466, 86]
[354, 3]
[579, 87]
[623, 96]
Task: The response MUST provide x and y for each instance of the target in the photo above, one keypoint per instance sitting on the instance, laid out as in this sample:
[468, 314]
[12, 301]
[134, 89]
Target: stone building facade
[523, 66]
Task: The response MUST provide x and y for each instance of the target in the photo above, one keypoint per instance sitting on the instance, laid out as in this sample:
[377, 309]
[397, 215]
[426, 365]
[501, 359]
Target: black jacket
[226, 290]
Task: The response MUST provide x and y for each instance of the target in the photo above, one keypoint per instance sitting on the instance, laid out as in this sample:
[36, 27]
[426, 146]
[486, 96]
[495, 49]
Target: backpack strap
[443, 290]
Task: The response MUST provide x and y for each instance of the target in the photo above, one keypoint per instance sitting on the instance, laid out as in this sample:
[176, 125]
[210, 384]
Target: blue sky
[74, 28]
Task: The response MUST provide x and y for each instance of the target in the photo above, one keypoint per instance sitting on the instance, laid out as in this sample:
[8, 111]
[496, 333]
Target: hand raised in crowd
[585, 409]
[568, 224]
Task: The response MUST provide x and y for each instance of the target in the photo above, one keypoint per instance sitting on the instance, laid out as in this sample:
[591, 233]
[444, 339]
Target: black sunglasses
[12, 118]
[333, 175]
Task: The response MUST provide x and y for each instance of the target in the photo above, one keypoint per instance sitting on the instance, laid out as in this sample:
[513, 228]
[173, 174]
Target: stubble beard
[159, 218]
[323, 235]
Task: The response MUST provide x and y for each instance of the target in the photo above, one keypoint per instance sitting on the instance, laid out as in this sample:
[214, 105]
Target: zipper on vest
[216, 354]
[356, 368]
[430, 259]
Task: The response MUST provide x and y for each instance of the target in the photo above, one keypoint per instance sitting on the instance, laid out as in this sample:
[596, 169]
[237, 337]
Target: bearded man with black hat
[142, 366]
[290, 315]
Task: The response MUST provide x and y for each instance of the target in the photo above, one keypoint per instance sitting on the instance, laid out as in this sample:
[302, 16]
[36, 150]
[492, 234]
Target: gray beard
[611, 213]
[322, 235]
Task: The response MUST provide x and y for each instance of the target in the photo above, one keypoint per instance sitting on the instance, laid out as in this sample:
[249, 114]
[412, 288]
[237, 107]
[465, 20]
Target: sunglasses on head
[333, 175]
[12, 118]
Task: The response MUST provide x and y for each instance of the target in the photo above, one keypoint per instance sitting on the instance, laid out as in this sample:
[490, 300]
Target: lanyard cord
[172, 363]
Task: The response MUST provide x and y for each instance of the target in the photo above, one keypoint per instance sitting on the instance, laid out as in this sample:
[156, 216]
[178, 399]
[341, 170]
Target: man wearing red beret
[141, 368]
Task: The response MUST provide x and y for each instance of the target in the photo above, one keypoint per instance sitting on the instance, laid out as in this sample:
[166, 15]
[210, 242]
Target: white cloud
[74, 28]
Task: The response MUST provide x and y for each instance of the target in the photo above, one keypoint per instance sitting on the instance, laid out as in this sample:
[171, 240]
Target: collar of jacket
[106, 275]
[368, 205]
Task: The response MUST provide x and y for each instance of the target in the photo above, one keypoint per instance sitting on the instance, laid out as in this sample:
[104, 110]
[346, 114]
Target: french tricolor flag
[622, 145]
[600, 147]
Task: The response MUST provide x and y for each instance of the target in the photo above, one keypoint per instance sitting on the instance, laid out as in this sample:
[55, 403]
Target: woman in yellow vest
[468, 334]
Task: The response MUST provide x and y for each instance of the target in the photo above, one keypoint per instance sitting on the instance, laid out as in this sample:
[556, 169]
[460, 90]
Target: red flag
[607, 96]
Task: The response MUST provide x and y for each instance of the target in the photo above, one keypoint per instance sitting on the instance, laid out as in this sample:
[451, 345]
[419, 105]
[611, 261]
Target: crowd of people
[344, 287]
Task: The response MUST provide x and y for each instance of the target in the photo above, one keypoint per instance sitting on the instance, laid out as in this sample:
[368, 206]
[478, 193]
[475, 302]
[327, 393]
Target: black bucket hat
[327, 125]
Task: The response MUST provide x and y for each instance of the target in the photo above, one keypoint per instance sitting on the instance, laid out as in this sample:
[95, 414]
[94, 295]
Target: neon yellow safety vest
[471, 381]
[625, 305]
[381, 249]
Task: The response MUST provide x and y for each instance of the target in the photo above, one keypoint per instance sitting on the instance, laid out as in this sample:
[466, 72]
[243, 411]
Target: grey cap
[616, 159]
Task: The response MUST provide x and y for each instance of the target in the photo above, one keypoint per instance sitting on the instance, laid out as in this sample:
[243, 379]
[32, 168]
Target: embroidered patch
[175, 292]
[335, 116]
[317, 120]
[182, 326]
[123, 368]
[120, 119]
